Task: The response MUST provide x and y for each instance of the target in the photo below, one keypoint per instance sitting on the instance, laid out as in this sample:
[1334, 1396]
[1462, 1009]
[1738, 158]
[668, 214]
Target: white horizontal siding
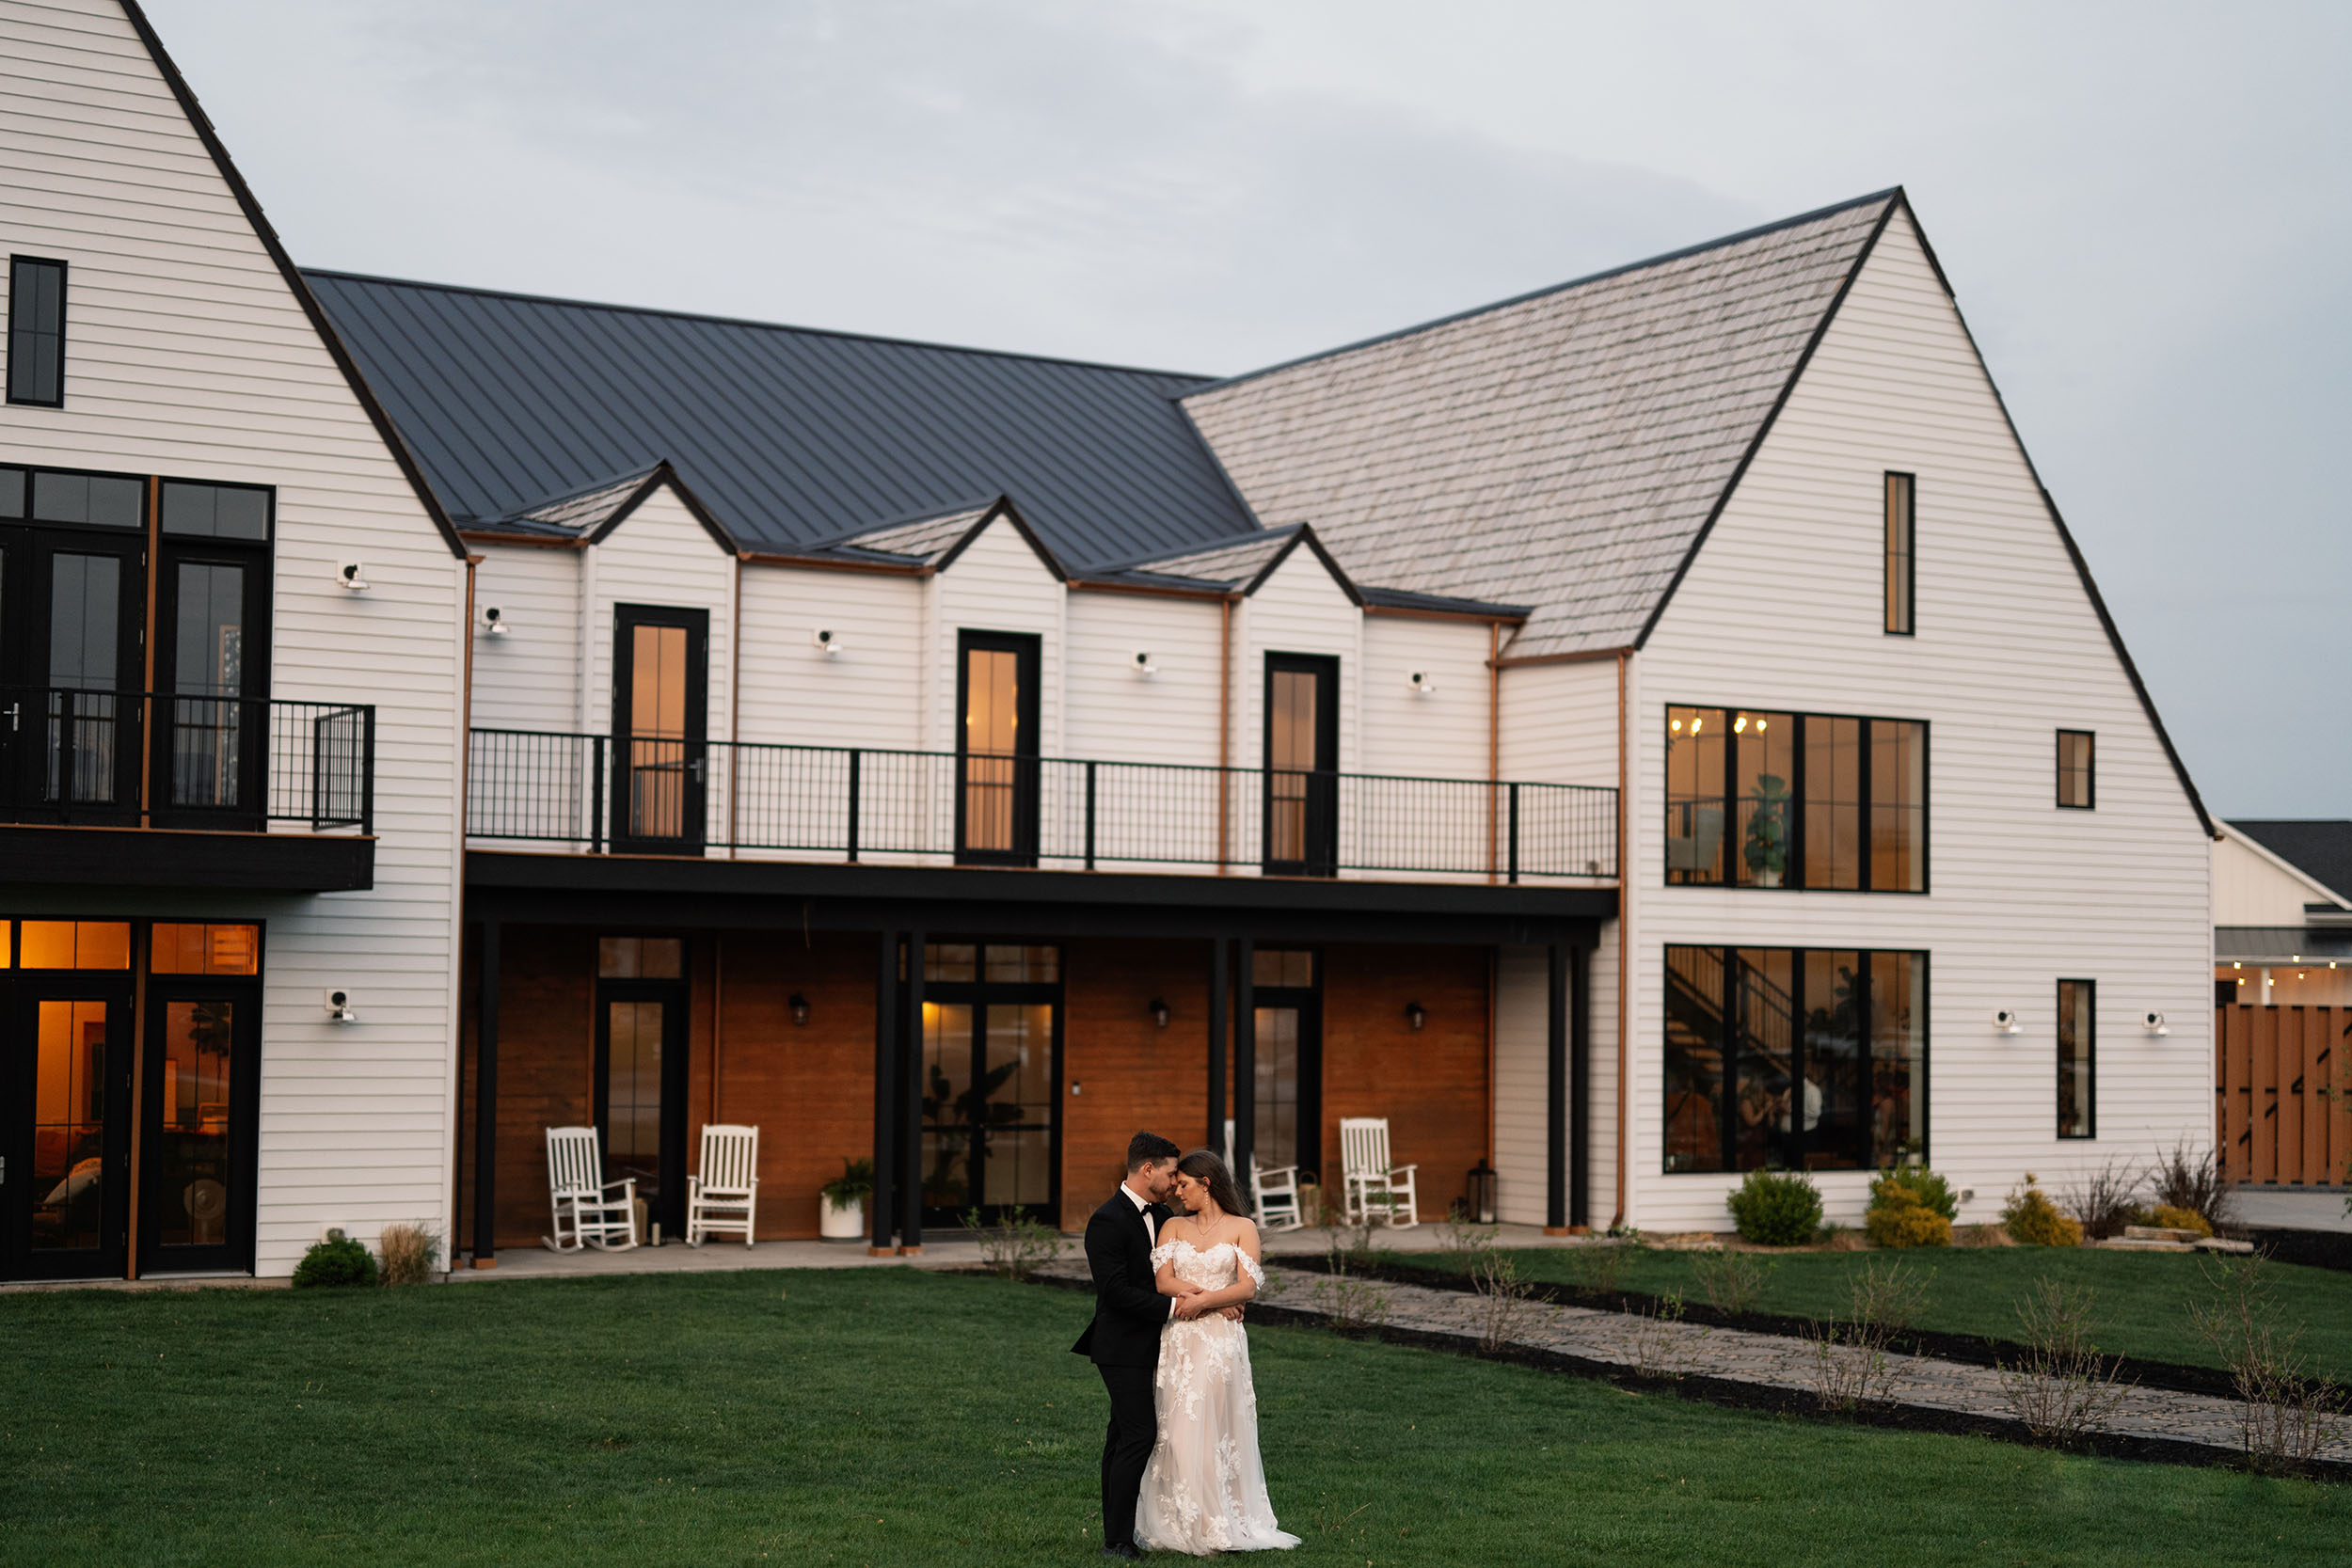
[529, 677]
[1522, 1084]
[2251, 889]
[188, 356]
[1782, 610]
[1441, 733]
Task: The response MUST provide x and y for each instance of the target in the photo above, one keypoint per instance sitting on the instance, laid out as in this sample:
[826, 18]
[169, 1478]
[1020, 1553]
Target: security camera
[1423, 682]
[1144, 665]
[494, 621]
[2006, 1021]
[338, 1007]
[827, 643]
[352, 577]
[2152, 1022]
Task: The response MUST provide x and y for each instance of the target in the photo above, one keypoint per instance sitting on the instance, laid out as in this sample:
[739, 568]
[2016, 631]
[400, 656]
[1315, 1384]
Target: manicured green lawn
[2143, 1297]
[888, 1417]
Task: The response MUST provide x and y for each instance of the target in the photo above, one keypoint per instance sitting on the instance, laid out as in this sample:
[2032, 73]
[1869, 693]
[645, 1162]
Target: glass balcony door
[211, 756]
[996, 749]
[1302, 759]
[660, 674]
[71, 670]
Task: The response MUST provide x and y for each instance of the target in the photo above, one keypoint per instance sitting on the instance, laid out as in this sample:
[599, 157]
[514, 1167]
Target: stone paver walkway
[1653, 1348]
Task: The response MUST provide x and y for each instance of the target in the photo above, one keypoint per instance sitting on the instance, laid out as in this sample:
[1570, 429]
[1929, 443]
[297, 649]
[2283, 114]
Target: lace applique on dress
[1204, 1490]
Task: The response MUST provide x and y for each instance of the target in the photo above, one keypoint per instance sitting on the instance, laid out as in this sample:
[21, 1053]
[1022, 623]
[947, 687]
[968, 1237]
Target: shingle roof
[1564, 448]
[790, 437]
[2321, 849]
[925, 538]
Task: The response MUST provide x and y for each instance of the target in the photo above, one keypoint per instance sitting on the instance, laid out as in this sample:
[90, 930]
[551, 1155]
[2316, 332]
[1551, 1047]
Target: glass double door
[991, 1090]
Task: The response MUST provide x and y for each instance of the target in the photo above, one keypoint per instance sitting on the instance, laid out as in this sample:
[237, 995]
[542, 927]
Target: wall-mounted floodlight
[338, 1007]
[2006, 1021]
[352, 577]
[1423, 682]
[2152, 1022]
[492, 620]
[827, 642]
[1144, 666]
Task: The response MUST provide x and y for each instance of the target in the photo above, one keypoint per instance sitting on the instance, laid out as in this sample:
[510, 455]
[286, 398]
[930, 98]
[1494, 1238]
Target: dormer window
[36, 331]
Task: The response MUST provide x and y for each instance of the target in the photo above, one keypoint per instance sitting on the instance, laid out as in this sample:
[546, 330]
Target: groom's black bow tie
[1159, 1212]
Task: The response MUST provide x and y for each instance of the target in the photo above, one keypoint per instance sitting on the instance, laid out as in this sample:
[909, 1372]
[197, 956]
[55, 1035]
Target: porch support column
[911, 1130]
[1245, 1061]
[1556, 1089]
[485, 1105]
[1220, 1002]
[880, 1207]
[1581, 1091]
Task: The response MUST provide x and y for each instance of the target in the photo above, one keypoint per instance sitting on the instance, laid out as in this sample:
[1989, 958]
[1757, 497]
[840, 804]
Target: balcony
[590, 795]
[172, 790]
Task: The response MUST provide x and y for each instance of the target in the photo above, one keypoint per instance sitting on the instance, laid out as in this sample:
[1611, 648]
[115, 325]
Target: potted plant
[1766, 850]
[841, 1202]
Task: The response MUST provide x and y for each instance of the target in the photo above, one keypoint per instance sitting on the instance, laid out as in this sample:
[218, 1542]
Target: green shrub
[1899, 1218]
[1932, 1191]
[1777, 1208]
[340, 1261]
[2179, 1219]
[2032, 1220]
[854, 1185]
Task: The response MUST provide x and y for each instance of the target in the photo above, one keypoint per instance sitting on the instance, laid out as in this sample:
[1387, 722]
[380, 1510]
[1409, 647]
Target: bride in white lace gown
[1204, 1490]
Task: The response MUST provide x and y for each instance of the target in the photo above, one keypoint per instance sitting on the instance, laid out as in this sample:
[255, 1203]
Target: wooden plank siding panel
[2284, 1095]
[190, 356]
[1782, 610]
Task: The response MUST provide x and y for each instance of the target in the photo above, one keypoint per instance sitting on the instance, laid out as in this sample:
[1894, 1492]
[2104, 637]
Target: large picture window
[1757, 799]
[1805, 1059]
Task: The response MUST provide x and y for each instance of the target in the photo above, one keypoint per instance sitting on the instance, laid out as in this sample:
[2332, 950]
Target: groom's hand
[1232, 1312]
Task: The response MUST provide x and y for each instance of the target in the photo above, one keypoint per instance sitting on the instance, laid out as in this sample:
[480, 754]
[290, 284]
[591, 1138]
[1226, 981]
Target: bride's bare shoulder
[1240, 1228]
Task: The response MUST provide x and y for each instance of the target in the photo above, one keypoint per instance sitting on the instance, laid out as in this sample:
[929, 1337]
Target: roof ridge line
[1890, 194]
[750, 322]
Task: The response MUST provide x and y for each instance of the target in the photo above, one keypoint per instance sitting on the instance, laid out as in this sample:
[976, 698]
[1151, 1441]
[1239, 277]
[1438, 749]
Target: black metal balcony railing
[655, 796]
[76, 754]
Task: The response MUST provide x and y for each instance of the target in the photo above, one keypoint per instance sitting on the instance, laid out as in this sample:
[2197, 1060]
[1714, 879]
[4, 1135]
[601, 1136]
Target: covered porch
[987, 1038]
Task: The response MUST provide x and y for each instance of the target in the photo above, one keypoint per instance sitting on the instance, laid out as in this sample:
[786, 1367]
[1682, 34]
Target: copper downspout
[464, 797]
[734, 732]
[147, 680]
[1624, 996]
[1224, 727]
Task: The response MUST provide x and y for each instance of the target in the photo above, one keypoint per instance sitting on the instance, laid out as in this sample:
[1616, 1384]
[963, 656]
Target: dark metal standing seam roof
[793, 437]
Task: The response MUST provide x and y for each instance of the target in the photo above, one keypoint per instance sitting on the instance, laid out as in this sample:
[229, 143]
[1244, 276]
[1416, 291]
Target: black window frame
[2086, 1063]
[1906, 517]
[2090, 772]
[1320, 831]
[1726, 1108]
[1792, 877]
[16, 334]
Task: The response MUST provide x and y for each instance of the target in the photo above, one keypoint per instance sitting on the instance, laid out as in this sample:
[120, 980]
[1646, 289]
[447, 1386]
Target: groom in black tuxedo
[1124, 1337]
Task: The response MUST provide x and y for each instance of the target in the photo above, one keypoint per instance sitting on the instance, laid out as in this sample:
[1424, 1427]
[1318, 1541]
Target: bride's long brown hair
[1203, 1166]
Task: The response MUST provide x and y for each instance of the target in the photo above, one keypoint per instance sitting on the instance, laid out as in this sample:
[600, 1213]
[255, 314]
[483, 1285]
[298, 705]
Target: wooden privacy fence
[2283, 1088]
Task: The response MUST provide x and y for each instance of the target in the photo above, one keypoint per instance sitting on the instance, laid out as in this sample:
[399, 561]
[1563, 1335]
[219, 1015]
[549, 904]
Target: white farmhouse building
[1636, 732]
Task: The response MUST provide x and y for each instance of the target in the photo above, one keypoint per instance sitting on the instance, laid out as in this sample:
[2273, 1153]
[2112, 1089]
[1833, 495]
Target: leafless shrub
[2284, 1416]
[2062, 1388]
[2188, 1177]
[1016, 1247]
[1504, 1300]
[2103, 1201]
[1980, 1236]
[1597, 1266]
[1350, 1300]
[1660, 1347]
[1351, 1239]
[1733, 1281]
[1850, 1365]
[410, 1253]
[1461, 1239]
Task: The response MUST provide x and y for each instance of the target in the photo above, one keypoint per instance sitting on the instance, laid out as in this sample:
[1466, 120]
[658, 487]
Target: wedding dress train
[1204, 1490]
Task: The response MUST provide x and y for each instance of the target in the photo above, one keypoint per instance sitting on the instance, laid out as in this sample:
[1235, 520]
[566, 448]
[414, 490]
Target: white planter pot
[843, 1222]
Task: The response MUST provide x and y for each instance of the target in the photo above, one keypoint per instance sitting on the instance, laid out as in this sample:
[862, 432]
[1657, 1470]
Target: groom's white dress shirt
[1151, 1226]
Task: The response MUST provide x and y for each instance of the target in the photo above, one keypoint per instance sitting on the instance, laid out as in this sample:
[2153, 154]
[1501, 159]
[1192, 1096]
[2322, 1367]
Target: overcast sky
[2142, 206]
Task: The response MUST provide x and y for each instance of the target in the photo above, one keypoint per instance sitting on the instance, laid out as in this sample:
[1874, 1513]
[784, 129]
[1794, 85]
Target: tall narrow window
[1901, 560]
[2075, 781]
[2077, 1059]
[996, 749]
[36, 331]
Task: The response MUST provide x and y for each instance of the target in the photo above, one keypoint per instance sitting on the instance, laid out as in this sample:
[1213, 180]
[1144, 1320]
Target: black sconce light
[1480, 1206]
[1158, 1010]
[1416, 1015]
[799, 1004]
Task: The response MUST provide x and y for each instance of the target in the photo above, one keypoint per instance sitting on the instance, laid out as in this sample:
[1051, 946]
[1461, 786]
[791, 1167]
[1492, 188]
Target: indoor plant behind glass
[841, 1202]
[1765, 848]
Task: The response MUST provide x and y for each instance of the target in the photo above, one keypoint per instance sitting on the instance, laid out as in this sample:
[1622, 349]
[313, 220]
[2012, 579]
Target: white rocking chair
[725, 1193]
[1277, 1192]
[1375, 1188]
[586, 1212]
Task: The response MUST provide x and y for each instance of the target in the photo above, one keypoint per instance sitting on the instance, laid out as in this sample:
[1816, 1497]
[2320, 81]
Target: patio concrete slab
[2292, 1208]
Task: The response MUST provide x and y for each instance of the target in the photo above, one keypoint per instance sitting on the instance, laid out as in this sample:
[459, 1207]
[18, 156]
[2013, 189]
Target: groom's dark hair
[1148, 1149]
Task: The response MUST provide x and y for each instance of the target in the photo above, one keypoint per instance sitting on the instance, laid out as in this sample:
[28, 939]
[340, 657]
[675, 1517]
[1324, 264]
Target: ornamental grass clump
[2032, 1220]
[2171, 1218]
[410, 1252]
[1777, 1208]
[1898, 1218]
[340, 1261]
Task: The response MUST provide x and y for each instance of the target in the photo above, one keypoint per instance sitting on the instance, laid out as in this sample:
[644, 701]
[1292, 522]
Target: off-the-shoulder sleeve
[1257, 1275]
[1162, 1254]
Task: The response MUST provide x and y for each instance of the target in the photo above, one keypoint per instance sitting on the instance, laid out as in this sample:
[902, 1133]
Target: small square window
[2076, 779]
